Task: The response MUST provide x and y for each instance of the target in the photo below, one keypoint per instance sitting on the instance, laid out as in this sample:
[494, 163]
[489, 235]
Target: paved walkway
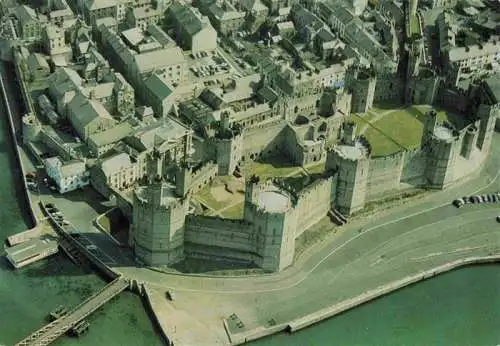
[407, 240]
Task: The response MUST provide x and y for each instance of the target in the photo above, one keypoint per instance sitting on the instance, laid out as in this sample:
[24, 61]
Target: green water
[458, 308]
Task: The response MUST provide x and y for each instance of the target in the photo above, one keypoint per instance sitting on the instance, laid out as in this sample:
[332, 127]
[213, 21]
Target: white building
[67, 176]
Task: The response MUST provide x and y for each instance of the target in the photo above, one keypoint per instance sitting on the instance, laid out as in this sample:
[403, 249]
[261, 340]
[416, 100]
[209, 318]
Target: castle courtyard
[392, 130]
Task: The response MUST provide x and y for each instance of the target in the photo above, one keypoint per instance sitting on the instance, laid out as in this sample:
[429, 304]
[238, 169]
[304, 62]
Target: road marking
[306, 274]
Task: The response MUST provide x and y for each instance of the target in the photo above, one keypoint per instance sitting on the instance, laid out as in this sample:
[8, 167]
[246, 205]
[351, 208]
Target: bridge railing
[48, 333]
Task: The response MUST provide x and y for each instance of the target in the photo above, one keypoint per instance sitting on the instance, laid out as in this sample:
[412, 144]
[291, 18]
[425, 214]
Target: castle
[164, 230]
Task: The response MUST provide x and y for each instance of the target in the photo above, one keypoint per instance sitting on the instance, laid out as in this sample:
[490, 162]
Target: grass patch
[360, 121]
[272, 167]
[235, 212]
[403, 127]
[386, 105]
[380, 143]
[315, 168]
[205, 196]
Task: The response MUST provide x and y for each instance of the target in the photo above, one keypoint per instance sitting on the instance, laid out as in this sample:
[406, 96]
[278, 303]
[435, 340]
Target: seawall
[153, 300]
[338, 308]
[17, 154]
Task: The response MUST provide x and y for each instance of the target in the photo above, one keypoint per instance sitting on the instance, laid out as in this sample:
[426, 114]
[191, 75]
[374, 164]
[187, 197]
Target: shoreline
[16, 149]
[260, 332]
[351, 303]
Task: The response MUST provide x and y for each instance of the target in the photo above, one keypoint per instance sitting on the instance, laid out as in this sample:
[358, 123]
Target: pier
[52, 331]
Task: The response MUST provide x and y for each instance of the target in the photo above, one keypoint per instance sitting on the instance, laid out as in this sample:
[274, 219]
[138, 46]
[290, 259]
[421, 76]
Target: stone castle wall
[219, 232]
[384, 174]
[313, 204]
[414, 165]
[265, 139]
[202, 176]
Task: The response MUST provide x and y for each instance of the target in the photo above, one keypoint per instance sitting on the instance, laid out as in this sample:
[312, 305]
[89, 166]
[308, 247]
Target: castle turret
[229, 141]
[31, 128]
[351, 163]
[269, 209]
[183, 179]
[441, 151]
[349, 135]
[154, 166]
[469, 141]
[157, 231]
[361, 82]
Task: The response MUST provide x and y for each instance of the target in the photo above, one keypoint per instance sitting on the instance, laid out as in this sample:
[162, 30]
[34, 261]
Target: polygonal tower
[229, 141]
[441, 146]
[361, 82]
[31, 128]
[351, 161]
[157, 235]
[270, 210]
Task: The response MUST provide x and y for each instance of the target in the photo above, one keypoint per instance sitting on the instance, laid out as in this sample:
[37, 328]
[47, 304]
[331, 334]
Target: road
[365, 254]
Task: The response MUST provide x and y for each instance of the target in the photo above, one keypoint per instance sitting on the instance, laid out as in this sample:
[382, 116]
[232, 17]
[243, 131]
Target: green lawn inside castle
[225, 195]
[393, 128]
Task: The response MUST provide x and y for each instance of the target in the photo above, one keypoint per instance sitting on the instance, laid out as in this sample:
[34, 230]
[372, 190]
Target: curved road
[392, 245]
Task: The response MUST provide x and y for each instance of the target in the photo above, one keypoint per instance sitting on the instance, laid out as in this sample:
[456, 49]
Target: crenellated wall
[413, 166]
[219, 232]
[266, 139]
[202, 176]
[384, 174]
[313, 204]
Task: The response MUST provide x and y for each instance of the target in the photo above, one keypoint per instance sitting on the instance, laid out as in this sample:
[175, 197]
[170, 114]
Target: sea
[458, 308]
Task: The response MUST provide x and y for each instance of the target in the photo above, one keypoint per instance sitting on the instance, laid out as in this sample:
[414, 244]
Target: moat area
[422, 314]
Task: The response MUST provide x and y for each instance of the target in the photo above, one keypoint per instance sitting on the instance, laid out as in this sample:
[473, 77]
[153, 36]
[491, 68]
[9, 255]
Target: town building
[192, 31]
[68, 176]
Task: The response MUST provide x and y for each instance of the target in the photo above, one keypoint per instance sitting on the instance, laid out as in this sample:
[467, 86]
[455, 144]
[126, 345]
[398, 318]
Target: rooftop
[352, 152]
[273, 201]
[443, 133]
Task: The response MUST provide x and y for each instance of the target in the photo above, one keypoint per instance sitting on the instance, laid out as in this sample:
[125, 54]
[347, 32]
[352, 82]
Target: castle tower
[31, 128]
[269, 209]
[424, 88]
[361, 82]
[157, 231]
[349, 136]
[469, 141]
[487, 115]
[351, 162]
[429, 126]
[154, 166]
[183, 179]
[442, 151]
[229, 142]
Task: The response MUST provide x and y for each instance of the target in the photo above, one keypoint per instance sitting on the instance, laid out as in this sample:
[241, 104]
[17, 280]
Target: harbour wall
[18, 238]
[151, 299]
[378, 292]
[17, 154]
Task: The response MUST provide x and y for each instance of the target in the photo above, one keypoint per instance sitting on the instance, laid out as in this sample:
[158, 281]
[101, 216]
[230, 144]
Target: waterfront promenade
[369, 253]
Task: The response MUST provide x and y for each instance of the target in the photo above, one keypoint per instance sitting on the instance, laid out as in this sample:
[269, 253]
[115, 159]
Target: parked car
[49, 205]
[498, 218]
[494, 198]
[170, 295]
[458, 203]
